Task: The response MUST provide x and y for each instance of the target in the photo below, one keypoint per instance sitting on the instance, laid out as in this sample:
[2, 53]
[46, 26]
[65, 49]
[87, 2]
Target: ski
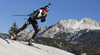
[33, 46]
[30, 45]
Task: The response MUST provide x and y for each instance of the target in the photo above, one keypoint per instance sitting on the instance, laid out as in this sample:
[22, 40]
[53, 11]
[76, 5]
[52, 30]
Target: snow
[85, 23]
[10, 47]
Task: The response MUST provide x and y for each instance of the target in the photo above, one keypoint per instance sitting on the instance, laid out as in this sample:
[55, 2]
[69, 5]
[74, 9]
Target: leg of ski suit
[35, 26]
[24, 26]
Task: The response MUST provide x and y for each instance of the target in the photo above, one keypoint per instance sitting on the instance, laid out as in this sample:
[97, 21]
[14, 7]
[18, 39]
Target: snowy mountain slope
[85, 23]
[8, 47]
[70, 27]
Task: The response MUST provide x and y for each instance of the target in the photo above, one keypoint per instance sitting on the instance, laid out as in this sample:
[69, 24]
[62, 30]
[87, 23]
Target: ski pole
[20, 15]
[25, 18]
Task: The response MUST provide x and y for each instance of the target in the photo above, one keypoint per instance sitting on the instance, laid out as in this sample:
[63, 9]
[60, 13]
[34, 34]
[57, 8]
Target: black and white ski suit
[33, 20]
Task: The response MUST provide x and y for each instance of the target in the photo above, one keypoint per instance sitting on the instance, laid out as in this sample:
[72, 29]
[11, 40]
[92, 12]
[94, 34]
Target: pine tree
[12, 30]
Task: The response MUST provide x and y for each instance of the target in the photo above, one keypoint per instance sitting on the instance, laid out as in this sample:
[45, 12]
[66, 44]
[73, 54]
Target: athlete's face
[44, 11]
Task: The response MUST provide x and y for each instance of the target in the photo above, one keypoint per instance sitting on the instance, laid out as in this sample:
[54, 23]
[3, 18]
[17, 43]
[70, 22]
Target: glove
[43, 20]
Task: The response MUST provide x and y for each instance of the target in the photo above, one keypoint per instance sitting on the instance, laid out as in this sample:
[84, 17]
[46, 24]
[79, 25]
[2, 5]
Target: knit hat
[46, 7]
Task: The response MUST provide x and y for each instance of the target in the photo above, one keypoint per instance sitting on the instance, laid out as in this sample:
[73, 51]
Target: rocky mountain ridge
[69, 27]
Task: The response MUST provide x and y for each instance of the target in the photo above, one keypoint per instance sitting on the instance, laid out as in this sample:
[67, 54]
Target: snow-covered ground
[9, 47]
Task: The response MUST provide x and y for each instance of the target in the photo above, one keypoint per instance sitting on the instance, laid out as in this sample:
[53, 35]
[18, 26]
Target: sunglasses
[46, 10]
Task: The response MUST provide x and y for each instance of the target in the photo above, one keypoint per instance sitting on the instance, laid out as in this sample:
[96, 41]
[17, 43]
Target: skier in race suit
[36, 15]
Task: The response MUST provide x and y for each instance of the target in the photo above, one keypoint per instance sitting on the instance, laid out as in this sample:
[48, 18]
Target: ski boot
[14, 36]
[30, 42]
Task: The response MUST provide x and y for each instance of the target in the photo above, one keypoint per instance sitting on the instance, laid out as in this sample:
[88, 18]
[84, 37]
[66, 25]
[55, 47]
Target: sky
[59, 10]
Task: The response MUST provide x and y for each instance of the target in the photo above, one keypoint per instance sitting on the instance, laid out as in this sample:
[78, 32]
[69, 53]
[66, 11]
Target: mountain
[64, 29]
[10, 47]
[71, 26]
[89, 42]
[2, 35]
